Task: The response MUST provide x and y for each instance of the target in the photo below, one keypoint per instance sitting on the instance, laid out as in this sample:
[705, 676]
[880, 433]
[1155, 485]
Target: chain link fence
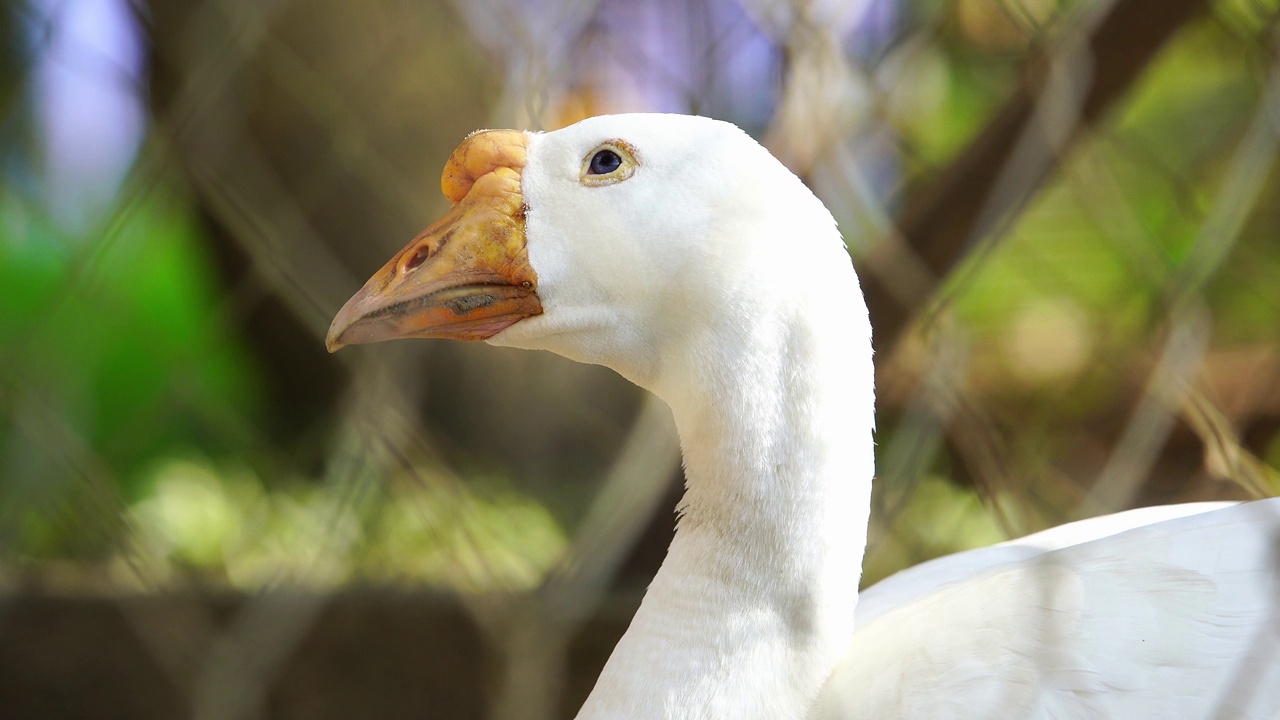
[1061, 211]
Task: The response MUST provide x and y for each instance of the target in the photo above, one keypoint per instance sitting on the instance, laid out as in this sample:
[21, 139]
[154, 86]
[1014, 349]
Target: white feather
[715, 279]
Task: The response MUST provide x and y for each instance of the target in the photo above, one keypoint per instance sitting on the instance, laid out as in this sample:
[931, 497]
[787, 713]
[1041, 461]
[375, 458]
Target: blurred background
[1063, 213]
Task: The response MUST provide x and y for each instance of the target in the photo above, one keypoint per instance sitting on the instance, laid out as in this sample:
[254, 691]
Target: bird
[679, 252]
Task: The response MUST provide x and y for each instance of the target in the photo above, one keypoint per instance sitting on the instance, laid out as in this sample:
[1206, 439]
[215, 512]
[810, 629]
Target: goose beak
[467, 276]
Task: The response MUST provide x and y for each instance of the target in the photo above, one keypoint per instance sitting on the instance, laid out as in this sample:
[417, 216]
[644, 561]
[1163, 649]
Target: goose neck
[754, 604]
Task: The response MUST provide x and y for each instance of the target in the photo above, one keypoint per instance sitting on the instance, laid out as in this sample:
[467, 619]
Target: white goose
[678, 252]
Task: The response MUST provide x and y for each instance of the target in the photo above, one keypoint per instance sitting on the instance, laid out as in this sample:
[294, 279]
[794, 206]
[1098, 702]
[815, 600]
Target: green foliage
[114, 354]
[938, 518]
[218, 522]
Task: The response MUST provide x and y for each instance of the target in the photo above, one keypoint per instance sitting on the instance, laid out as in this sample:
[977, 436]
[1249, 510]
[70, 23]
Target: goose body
[678, 252]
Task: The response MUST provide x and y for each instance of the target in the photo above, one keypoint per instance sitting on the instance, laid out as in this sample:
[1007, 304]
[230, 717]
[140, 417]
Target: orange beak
[467, 276]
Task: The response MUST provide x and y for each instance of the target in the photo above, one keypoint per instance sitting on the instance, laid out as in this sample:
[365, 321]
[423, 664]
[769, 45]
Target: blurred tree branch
[972, 197]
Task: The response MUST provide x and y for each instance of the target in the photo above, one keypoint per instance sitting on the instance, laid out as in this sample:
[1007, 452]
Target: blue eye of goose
[604, 162]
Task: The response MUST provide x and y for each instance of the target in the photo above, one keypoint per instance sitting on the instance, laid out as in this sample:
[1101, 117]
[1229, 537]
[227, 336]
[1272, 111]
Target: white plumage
[707, 273]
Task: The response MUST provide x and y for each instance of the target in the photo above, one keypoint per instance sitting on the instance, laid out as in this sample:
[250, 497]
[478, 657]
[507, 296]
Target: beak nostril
[416, 258]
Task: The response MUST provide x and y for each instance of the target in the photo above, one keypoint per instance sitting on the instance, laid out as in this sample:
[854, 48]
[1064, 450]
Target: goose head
[624, 241]
[677, 251]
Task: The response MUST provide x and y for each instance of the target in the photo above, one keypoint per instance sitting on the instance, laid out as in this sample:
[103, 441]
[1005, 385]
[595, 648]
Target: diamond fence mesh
[1062, 213]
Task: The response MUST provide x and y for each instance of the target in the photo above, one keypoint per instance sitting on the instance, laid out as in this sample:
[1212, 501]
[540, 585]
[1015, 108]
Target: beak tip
[333, 340]
[351, 313]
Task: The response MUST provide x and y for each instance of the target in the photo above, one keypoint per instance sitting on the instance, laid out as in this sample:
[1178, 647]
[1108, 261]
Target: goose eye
[604, 162]
[610, 162]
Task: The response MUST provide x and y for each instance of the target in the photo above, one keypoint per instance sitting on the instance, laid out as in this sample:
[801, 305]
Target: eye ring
[608, 163]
